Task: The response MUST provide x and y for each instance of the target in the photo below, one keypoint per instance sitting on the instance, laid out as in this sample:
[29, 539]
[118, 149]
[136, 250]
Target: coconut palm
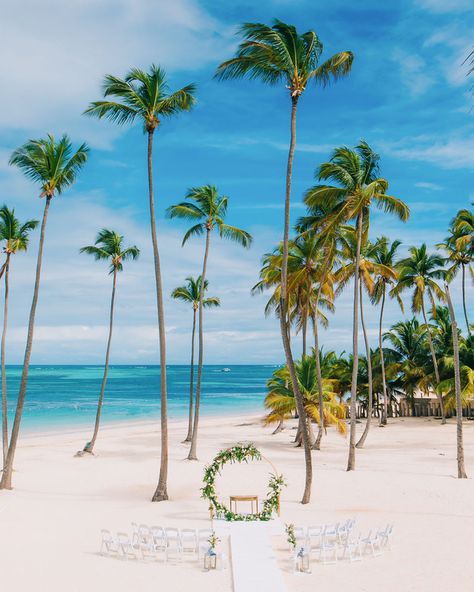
[208, 209]
[145, 96]
[460, 254]
[419, 272]
[16, 236]
[369, 268]
[190, 293]
[384, 255]
[407, 353]
[457, 387]
[278, 54]
[280, 400]
[54, 165]
[108, 246]
[357, 187]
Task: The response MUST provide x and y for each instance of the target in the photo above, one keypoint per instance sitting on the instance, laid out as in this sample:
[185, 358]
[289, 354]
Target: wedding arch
[237, 454]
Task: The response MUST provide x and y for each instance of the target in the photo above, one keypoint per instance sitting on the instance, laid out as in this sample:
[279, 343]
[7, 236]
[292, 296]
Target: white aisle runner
[254, 566]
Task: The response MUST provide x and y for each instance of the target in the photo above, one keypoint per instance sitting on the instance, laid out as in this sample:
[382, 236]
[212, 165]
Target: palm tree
[460, 254]
[384, 255]
[55, 167]
[408, 353]
[457, 385]
[280, 400]
[108, 246]
[190, 293]
[145, 96]
[357, 188]
[208, 209]
[16, 237]
[369, 268]
[278, 54]
[419, 272]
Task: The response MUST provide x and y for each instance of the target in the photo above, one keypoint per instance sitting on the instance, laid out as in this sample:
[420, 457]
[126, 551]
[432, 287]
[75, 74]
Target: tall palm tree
[419, 272]
[108, 246]
[16, 236]
[208, 209]
[357, 187]
[457, 386]
[190, 294]
[278, 54]
[384, 255]
[55, 166]
[145, 96]
[369, 268]
[460, 255]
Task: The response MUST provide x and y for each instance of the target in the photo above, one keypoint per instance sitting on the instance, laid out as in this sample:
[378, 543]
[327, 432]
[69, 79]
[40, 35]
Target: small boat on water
[225, 369]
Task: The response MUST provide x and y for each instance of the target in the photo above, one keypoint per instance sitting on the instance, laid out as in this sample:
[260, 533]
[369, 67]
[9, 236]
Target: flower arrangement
[213, 540]
[290, 535]
[237, 454]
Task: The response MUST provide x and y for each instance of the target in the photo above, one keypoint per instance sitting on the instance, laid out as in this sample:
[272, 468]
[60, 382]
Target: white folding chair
[173, 543]
[384, 535]
[158, 537]
[109, 545]
[330, 534]
[128, 549]
[371, 543]
[145, 541]
[189, 542]
[314, 537]
[351, 549]
[328, 551]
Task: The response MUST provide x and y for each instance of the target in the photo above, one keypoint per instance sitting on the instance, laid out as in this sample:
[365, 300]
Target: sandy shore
[50, 523]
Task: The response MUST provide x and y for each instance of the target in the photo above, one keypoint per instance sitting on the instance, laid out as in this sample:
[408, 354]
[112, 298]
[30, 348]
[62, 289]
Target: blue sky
[407, 96]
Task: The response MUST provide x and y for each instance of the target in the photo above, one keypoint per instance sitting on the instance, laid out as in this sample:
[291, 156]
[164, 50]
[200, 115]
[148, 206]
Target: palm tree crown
[52, 164]
[109, 245]
[13, 232]
[142, 95]
[191, 291]
[206, 205]
[420, 271]
[279, 53]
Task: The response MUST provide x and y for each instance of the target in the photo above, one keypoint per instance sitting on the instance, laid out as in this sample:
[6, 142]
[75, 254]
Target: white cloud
[413, 72]
[429, 186]
[54, 55]
[445, 6]
[448, 153]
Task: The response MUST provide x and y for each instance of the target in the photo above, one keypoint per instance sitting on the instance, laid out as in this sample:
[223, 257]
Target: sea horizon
[64, 396]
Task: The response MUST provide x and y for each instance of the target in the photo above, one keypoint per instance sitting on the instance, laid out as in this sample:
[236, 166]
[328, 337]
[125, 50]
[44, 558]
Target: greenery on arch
[238, 454]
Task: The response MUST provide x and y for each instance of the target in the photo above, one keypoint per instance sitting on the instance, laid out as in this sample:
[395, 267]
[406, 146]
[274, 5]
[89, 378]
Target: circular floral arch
[238, 454]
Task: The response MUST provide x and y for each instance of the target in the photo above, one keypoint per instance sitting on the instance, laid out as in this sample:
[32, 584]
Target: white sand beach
[50, 523]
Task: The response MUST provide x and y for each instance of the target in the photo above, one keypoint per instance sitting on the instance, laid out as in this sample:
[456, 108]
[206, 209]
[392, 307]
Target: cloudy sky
[407, 96]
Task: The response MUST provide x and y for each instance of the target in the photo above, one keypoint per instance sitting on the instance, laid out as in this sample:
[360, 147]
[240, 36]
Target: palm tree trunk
[361, 442]
[161, 491]
[317, 443]
[191, 383]
[457, 385]
[4, 372]
[89, 447]
[193, 449]
[355, 350]
[464, 298]
[6, 481]
[304, 331]
[435, 363]
[382, 363]
[283, 310]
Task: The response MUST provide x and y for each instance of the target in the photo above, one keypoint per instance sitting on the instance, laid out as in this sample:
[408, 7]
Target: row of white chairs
[314, 536]
[352, 547]
[153, 542]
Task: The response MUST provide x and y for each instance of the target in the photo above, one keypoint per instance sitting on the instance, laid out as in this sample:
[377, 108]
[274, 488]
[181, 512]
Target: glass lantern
[210, 559]
[302, 561]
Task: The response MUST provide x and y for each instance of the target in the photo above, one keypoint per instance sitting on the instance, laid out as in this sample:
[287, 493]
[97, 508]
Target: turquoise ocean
[60, 397]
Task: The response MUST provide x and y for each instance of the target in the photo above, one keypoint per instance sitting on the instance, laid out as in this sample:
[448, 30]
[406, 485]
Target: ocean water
[66, 396]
